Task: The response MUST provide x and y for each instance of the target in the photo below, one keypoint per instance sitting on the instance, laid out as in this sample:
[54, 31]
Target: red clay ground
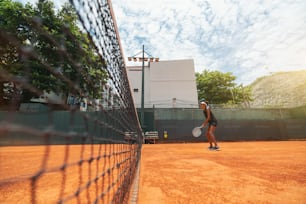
[242, 172]
[20, 163]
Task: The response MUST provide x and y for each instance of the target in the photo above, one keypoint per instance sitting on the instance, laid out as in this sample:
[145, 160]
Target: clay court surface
[242, 172]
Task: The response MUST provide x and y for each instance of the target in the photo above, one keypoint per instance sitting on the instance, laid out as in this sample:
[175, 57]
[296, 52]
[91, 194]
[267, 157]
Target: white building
[167, 84]
[50, 97]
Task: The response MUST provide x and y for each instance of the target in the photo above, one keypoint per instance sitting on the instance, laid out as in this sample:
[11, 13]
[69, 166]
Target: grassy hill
[282, 89]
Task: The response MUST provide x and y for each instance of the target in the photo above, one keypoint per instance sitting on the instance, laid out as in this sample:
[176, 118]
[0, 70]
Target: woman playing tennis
[212, 122]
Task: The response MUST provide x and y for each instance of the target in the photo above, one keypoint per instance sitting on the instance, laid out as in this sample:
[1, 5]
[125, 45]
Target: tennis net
[69, 130]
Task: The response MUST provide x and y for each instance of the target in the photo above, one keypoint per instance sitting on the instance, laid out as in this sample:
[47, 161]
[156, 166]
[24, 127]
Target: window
[135, 90]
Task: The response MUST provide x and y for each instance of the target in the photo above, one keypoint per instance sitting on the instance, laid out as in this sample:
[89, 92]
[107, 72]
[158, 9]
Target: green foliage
[13, 23]
[219, 88]
[48, 49]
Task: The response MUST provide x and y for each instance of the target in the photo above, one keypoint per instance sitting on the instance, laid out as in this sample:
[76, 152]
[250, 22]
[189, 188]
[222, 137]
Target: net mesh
[69, 131]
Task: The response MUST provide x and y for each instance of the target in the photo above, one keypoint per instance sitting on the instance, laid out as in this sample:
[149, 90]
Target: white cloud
[248, 38]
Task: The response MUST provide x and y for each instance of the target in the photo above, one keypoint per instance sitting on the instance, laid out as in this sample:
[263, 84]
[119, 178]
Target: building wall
[167, 84]
[135, 76]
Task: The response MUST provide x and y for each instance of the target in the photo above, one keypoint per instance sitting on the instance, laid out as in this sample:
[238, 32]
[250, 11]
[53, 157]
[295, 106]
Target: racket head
[197, 131]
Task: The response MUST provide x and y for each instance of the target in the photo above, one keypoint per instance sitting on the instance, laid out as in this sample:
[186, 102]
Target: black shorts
[213, 123]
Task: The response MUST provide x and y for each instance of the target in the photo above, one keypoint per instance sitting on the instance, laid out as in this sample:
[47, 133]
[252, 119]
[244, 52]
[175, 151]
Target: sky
[247, 38]
[250, 39]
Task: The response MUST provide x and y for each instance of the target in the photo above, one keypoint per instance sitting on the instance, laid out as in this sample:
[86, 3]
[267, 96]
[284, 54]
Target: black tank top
[212, 117]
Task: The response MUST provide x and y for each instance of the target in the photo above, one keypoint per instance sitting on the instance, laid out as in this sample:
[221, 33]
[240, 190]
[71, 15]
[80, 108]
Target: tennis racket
[197, 131]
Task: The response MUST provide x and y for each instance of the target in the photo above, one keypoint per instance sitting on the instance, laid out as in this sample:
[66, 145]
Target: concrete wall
[167, 84]
[173, 84]
[135, 79]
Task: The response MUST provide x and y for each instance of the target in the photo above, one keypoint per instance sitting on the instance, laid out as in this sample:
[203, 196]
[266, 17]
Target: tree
[241, 95]
[47, 49]
[220, 88]
[13, 32]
